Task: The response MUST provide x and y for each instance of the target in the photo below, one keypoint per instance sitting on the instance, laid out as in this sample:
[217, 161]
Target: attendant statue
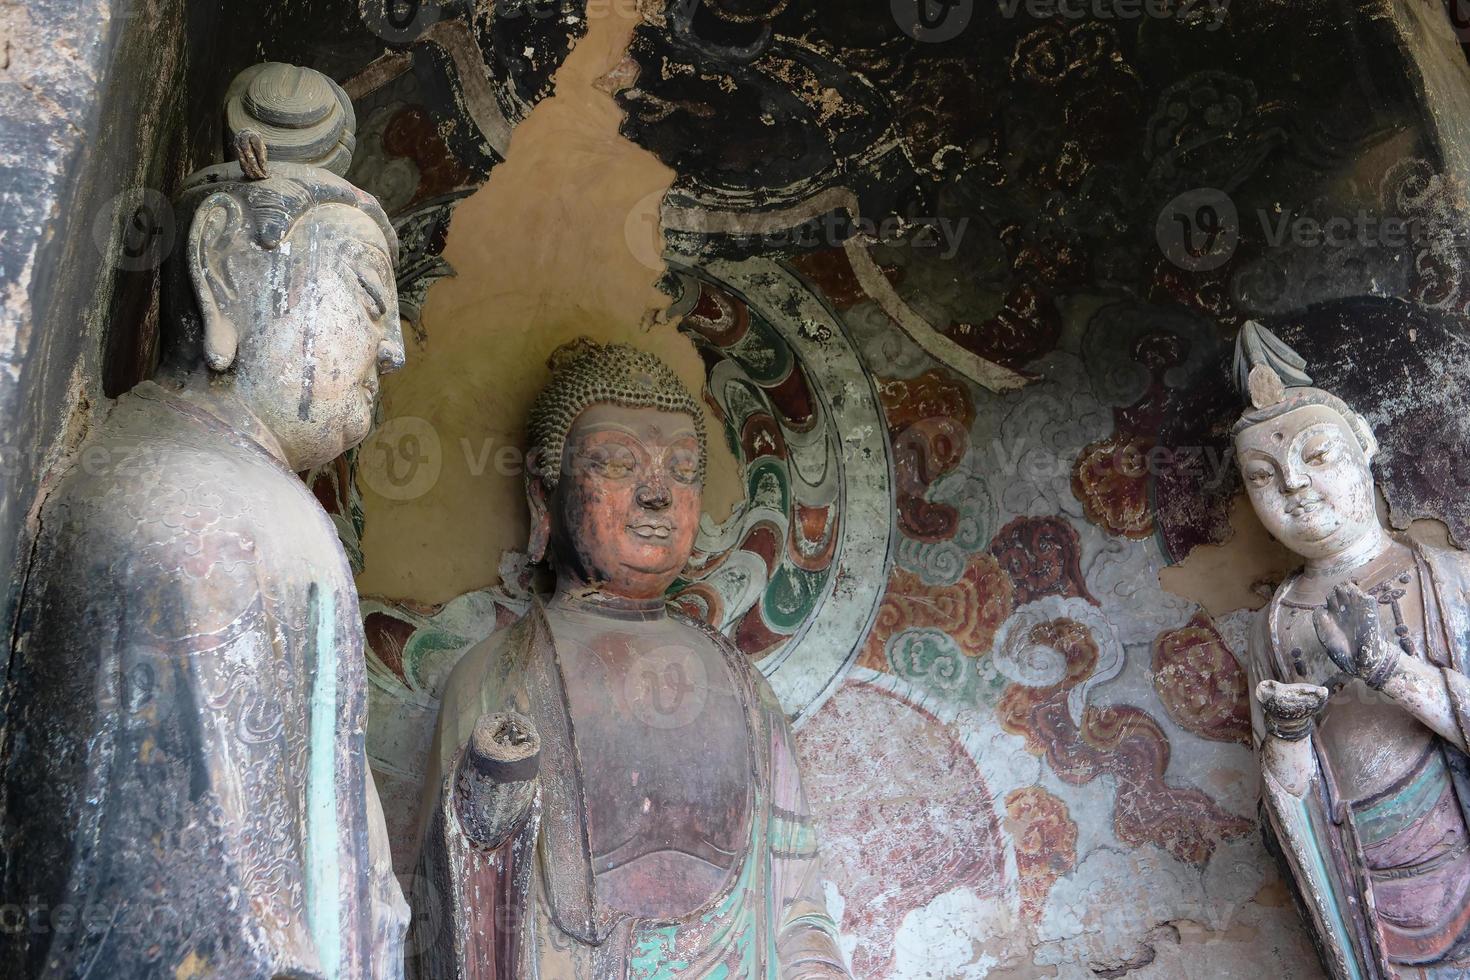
[186, 793]
[613, 792]
[1362, 704]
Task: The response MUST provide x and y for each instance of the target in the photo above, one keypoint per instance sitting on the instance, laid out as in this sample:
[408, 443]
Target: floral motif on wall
[930, 829]
[968, 612]
[1200, 683]
[1046, 843]
[929, 419]
[1042, 556]
[1110, 478]
[1119, 741]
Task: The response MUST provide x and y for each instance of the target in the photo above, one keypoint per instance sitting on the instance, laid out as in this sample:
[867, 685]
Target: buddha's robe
[530, 907]
[1385, 880]
[187, 793]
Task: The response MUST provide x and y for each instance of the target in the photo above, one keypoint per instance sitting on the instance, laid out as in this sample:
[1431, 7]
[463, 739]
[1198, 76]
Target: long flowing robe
[1354, 863]
[186, 793]
[528, 908]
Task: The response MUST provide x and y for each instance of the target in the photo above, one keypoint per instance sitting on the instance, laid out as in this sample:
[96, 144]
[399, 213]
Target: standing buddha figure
[612, 790]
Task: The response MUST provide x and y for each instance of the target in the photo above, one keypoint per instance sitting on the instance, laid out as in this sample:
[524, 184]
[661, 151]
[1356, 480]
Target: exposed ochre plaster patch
[1238, 574]
[563, 240]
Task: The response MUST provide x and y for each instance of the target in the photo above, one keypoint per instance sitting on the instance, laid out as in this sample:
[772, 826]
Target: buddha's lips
[655, 530]
[1305, 506]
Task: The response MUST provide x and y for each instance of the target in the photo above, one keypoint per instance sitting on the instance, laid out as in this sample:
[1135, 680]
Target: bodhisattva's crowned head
[1306, 457]
[615, 470]
[284, 290]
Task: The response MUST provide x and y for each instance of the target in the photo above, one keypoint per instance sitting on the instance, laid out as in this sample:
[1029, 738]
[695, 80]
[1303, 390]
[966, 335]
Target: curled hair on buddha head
[586, 373]
[269, 198]
[1273, 379]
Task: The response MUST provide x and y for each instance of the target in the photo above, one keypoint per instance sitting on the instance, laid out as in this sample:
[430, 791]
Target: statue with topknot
[185, 791]
[1361, 704]
[612, 791]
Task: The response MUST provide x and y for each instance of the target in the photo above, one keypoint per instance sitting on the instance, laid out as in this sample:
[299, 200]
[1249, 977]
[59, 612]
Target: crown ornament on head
[1265, 367]
[1274, 380]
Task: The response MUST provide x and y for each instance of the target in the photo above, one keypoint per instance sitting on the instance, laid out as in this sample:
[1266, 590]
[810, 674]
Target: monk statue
[186, 793]
[1362, 704]
[612, 792]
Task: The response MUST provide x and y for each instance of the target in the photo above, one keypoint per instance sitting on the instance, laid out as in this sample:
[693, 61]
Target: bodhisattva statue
[1362, 704]
[186, 792]
[612, 793]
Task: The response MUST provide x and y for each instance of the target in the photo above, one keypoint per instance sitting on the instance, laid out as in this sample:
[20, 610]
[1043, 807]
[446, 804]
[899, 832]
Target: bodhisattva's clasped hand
[1348, 628]
[1290, 708]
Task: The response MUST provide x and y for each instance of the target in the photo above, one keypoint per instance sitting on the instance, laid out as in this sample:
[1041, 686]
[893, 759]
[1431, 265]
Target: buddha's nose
[390, 355]
[390, 348]
[653, 495]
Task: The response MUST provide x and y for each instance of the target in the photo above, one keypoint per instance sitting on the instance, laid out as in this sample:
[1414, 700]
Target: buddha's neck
[581, 597]
[215, 395]
[1355, 556]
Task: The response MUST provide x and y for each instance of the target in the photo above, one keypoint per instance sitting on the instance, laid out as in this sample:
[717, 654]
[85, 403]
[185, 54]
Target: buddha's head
[284, 289]
[615, 470]
[1306, 457]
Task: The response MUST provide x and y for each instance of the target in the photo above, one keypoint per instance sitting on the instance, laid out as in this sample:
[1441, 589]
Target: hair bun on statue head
[571, 352]
[1273, 379]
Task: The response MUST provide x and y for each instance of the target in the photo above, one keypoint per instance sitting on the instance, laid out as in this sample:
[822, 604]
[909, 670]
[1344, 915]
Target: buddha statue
[1361, 705]
[185, 791]
[612, 791]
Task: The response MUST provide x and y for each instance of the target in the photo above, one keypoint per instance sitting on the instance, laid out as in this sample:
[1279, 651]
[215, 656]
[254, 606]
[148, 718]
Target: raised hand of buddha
[496, 781]
[1348, 629]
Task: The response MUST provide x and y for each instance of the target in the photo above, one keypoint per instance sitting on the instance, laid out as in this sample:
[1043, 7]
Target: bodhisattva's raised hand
[1290, 708]
[1348, 628]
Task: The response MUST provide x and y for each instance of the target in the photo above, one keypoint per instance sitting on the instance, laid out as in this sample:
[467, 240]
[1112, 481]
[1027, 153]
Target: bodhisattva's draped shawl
[527, 910]
[1321, 837]
[186, 791]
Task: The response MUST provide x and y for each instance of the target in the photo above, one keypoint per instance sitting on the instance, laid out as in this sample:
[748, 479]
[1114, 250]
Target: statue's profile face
[1309, 480]
[626, 507]
[318, 322]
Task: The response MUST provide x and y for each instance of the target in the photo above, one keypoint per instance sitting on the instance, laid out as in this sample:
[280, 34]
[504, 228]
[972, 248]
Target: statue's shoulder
[495, 661]
[1451, 566]
[765, 695]
[145, 460]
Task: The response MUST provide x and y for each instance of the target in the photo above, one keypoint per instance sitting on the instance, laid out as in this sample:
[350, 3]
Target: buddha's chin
[1315, 541]
[356, 430]
[649, 569]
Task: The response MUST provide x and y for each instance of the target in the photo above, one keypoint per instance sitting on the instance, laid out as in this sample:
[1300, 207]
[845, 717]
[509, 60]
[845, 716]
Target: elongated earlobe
[539, 502]
[216, 224]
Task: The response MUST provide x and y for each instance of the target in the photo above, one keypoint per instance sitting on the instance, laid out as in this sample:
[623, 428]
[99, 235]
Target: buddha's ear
[538, 499]
[217, 223]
